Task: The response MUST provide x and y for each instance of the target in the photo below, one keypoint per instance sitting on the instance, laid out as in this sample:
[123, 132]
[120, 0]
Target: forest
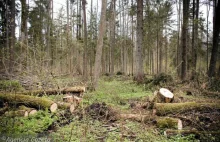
[109, 70]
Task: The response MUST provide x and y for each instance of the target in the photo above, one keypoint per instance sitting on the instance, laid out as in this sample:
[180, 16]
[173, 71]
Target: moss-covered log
[168, 122]
[215, 134]
[78, 90]
[30, 111]
[30, 101]
[18, 113]
[134, 117]
[211, 93]
[174, 108]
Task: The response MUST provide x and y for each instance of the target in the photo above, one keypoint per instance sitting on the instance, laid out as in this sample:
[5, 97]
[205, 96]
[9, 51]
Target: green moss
[27, 100]
[20, 126]
[167, 122]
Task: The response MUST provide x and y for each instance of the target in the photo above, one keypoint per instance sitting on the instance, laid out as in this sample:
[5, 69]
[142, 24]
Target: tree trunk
[48, 50]
[214, 55]
[102, 28]
[112, 36]
[195, 37]
[132, 39]
[184, 38]
[139, 75]
[12, 34]
[24, 17]
[85, 72]
[178, 38]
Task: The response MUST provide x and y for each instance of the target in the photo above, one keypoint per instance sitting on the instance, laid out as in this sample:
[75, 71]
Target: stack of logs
[29, 102]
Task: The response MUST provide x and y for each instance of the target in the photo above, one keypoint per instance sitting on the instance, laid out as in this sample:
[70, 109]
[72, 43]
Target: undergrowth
[26, 126]
[93, 130]
[10, 85]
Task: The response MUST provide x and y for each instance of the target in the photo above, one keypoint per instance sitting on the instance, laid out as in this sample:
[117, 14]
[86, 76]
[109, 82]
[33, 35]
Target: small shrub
[214, 84]
[148, 80]
[119, 73]
[162, 78]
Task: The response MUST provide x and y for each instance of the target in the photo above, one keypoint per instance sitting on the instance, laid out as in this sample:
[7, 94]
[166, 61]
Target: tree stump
[164, 96]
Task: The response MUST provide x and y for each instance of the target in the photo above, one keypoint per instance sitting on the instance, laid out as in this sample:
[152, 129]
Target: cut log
[170, 132]
[135, 117]
[66, 106]
[164, 96]
[30, 111]
[78, 90]
[68, 99]
[174, 108]
[30, 101]
[168, 122]
[18, 113]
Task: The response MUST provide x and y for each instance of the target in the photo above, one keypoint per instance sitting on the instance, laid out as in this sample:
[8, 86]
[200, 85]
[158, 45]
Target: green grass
[93, 131]
[117, 93]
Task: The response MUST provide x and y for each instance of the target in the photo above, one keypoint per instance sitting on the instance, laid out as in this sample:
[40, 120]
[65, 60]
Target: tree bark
[184, 38]
[195, 37]
[102, 28]
[139, 75]
[112, 36]
[12, 34]
[214, 55]
[85, 71]
[24, 17]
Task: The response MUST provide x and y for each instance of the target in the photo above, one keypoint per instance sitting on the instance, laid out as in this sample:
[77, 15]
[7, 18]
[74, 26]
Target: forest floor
[98, 116]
